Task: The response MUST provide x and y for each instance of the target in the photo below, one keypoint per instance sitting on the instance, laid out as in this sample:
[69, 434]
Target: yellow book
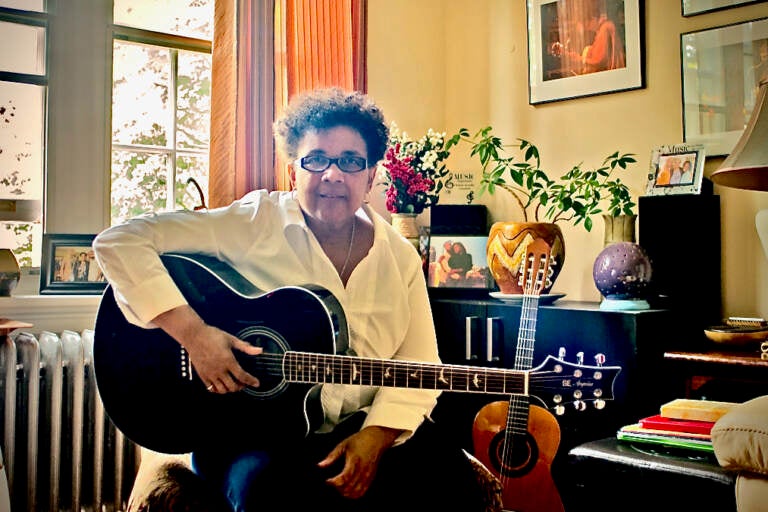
[699, 410]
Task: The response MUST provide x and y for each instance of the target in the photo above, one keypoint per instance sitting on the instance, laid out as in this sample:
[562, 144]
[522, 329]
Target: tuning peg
[561, 353]
[599, 359]
[560, 410]
[580, 358]
[580, 405]
[599, 404]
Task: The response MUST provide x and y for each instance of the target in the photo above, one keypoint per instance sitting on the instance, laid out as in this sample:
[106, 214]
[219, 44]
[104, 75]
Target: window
[23, 89]
[161, 91]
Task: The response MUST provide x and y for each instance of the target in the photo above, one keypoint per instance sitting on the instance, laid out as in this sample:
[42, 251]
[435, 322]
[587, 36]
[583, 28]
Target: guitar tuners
[580, 405]
[599, 359]
[580, 358]
[560, 410]
[599, 404]
[561, 353]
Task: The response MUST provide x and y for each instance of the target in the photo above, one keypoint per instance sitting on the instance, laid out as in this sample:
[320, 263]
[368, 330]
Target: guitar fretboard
[309, 367]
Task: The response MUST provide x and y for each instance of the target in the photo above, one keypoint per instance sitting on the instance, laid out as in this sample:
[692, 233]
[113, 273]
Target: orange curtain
[263, 53]
[322, 44]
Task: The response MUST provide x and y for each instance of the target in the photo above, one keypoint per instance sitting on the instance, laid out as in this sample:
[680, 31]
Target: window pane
[21, 141]
[141, 94]
[21, 237]
[138, 184]
[191, 166]
[25, 52]
[190, 18]
[194, 100]
[24, 5]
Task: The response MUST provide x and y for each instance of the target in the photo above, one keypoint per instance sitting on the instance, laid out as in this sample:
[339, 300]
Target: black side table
[609, 475]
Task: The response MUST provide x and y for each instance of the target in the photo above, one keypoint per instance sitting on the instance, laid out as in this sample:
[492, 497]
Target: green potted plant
[575, 196]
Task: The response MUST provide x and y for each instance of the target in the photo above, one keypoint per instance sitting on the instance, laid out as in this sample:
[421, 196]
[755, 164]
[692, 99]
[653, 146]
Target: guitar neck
[310, 367]
[527, 333]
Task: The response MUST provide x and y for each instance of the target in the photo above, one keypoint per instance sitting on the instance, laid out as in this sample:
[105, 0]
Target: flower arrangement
[415, 171]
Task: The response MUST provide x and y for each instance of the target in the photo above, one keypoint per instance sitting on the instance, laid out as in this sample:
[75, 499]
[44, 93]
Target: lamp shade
[747, 165]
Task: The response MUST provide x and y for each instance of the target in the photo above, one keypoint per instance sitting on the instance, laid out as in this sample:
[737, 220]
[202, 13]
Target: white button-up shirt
[265, 238]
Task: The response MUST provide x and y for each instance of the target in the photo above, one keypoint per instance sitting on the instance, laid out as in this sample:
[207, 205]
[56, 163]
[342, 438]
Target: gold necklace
[349, 249]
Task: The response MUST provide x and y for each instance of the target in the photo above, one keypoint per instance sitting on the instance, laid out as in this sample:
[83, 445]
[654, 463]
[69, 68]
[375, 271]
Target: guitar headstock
[558, 383]
[534, 269]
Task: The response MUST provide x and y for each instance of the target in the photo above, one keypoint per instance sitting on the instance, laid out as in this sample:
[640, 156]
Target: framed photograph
[721, 72]
[583, 48]
[69, 266]
[676, 169]
[691, 7]
[458, 261]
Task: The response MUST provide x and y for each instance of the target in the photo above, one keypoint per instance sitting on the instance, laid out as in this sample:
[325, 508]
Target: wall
[447, 64]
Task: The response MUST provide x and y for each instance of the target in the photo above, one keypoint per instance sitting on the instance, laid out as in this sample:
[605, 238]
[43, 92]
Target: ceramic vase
[507, 245]
[405, 224]
[622, 273]
[9, 272]
[619, 228]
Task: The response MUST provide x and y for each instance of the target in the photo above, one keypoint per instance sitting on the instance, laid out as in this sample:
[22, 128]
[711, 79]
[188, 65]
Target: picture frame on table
[676, 169]
[694, 7]
[69, 266]
[576, 49]
[458, 262]
[721, 72]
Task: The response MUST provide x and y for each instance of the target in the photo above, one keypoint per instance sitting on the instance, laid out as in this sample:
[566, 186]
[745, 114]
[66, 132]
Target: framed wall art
[692, 7]
[676, 169]
[458, 261]
[583, 48]
[721, 71]
[69, 266]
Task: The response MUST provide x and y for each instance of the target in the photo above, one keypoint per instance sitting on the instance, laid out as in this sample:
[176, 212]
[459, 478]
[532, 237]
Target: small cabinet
[484, 332]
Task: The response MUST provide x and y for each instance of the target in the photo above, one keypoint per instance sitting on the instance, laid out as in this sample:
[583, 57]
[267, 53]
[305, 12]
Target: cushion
[740, 437]
[166, 482]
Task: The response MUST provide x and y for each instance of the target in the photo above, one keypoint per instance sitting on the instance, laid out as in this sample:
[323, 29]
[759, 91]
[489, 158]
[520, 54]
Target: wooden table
[743, 372]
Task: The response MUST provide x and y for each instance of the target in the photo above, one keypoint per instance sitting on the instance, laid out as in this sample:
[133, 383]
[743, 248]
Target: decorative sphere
[622, 271]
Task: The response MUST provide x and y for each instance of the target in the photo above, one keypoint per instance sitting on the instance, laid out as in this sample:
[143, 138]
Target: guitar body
[152, 393]
[525, 473]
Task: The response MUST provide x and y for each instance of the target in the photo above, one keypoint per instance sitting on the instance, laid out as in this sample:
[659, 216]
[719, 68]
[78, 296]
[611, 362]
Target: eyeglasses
[319, 163]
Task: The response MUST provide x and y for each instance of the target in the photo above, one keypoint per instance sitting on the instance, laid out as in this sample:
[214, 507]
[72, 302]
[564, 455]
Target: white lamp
[747, 165]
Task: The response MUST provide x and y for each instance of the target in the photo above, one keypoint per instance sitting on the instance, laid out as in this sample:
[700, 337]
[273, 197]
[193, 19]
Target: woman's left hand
[362, 453]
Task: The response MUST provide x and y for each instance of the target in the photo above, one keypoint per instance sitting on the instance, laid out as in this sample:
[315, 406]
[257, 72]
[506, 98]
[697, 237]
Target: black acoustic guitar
[153, 395]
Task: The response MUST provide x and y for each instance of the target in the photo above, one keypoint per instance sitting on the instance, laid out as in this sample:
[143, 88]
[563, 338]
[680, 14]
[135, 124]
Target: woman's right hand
[210, 350]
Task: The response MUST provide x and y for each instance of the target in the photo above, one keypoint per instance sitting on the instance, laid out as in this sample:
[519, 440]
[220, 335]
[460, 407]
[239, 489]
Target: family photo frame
[458, 261]
[676, 169]
[69, 266]
[721, 72]
[584, 48]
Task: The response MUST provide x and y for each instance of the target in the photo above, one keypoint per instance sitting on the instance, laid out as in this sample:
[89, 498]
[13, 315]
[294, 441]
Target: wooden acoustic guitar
[517, 441]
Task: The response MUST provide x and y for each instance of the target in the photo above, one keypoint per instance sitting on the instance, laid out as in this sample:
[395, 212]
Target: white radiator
[61, 452]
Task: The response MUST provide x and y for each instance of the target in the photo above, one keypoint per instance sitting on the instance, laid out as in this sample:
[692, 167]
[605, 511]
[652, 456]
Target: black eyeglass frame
[332, 161]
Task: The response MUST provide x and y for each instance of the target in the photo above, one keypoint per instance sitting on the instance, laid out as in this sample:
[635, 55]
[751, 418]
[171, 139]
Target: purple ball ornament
[622, 273]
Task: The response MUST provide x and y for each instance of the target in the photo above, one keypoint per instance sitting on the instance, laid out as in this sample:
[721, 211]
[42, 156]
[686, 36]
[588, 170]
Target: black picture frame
[69, 266]
[721, 69]
[695, 7]
[564, 46]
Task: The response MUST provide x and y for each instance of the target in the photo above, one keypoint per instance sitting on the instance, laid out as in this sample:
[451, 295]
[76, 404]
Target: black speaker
[681, 234]
[459, 219]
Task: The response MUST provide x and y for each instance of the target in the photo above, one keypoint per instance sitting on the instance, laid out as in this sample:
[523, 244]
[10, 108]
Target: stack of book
[681, 423]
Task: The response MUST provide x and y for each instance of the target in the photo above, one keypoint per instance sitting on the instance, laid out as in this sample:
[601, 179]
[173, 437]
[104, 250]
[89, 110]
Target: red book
[659, 422]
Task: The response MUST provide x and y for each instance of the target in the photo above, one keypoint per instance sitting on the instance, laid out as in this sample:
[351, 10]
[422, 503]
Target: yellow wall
[447, 64]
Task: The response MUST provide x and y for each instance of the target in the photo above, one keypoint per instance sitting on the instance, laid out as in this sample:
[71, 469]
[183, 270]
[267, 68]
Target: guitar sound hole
[268, 366]
[519, 459]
